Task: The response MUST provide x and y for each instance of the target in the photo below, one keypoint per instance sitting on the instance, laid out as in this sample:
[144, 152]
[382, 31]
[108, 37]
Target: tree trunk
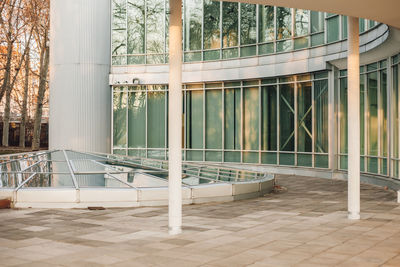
[7, 71]
[6, 116]
[44, 67]
[24, 112]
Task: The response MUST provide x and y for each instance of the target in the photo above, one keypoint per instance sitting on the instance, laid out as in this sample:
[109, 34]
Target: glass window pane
[211, 24]
[156, 118]
[155, 33]
[333, 29]
[193, 24]
[344, 27]
[214, 119]
[283, 23]
[248, 24]
[266, 23]
[383, 108]
[137, 119]
[136, 29]
[395, 110]
[343, 116]
[304, 117]
[362, 114]
[321, 116]
[317, 21]
[302, 19]
[250, 118]
[269, 118]
[232, 116]
[230, 24]
[372, 110]
[194, 118]
[286, 117]
[119, 119]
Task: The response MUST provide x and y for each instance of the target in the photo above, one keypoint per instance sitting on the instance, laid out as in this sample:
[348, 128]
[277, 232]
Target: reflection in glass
[119, 119]
[211, 24]
[269, 118]
[229, 24]
[304, 117]
[137, 119]
[302, 18]
[283, 23]
[286, 117]
[248, 24]
[266, 23]
[193, 24]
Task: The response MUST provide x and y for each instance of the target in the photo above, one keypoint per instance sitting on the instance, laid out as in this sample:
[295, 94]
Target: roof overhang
[386, 11]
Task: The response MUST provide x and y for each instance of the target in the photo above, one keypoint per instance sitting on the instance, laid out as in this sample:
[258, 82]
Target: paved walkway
[305, 226]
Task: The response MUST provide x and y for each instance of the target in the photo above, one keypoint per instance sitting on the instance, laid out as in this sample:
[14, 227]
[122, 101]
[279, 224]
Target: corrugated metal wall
[80, 97]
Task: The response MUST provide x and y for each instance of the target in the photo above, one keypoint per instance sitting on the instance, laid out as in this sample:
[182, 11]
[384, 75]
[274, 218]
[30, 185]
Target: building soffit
[386, 11]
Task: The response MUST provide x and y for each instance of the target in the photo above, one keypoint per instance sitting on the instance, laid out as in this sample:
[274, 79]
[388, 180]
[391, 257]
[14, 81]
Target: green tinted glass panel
[343, 116]
[251, 118]
[248, 51]
[156, 118]
[321, 116]
[250, 157]
[300, 43]
[304, 160]
[304, 117]
[265, 49]
[269, 158]
[214, 119]
[286, 159]
[317, 21]
[137, 119]
[383, 107]
[194, 118]
[372, 110]
[286, 117]
[363, 114]
[269, 118]
[232, 118]
[119, 119]
[321, 161]
[332, 25]
[344, 27]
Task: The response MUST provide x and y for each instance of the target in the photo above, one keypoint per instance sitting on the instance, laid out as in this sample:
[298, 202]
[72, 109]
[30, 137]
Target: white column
[175, 118]
[353, 110]
[80, 102]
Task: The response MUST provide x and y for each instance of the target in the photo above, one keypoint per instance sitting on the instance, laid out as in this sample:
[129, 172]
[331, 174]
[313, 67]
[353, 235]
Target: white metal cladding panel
[80, 97]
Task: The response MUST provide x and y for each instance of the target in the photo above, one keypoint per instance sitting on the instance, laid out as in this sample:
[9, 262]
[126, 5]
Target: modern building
[262, 85]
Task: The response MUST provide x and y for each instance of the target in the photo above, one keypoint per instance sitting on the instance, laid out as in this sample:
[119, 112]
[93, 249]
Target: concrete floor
[305, 226]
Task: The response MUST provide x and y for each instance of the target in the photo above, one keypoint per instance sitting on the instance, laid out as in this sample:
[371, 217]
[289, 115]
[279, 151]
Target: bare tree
[42, 39]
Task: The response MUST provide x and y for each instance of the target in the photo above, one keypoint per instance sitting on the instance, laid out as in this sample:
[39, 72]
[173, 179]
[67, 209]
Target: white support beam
[175, 118]
[353, 103]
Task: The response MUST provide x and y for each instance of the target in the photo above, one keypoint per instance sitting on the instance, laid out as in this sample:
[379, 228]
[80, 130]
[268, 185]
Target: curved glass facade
[214, 30]
[269, 121]
[278, 121]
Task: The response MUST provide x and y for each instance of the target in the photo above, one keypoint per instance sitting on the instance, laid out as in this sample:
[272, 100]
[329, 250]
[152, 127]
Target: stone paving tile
[305, 226]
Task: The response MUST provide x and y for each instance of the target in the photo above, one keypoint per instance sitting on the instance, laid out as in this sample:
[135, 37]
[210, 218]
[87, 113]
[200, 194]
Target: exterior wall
[79, 67]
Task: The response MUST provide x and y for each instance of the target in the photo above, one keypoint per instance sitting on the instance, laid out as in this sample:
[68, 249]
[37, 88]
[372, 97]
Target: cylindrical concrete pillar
[80, 97]
[175, 118]
[353, 110]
